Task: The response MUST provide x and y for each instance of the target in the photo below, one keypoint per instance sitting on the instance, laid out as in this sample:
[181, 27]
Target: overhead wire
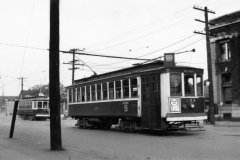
[142, 27]
[128, 33]
[134, 30]
[179, 41]
[189, 44]
[28, 34]
[23, 46]
[144, 35]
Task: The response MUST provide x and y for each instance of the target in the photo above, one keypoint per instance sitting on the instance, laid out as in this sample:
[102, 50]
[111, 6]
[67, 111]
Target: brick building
[225, 53]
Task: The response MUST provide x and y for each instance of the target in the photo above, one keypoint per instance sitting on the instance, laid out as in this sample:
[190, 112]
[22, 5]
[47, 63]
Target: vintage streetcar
[154, 96]
[34, 108]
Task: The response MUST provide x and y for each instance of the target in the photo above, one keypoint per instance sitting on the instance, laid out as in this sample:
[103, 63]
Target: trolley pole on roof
[54, 84]
[211, 113]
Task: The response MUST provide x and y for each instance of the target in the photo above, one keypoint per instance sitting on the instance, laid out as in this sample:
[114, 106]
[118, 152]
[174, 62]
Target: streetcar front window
[175, 84]
[189, 84]
[199, 85]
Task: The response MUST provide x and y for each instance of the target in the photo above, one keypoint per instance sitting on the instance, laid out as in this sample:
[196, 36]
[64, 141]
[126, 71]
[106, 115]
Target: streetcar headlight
[192, 105]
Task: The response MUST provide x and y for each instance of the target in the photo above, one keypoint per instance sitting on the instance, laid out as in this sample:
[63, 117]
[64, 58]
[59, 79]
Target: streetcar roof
[136, 69]
[35, 98]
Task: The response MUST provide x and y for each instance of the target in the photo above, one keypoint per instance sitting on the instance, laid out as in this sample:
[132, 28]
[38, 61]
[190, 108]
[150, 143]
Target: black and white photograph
[119, 79]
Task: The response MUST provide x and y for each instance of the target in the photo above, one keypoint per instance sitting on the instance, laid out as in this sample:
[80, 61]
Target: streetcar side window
[118, 89]
[111, 90]
[175, 84]
[78, 95]
[105, 91]
[35, 105]
[199, 85]
[74, 95]
[40, 105]
[134, 87]
[93, 91]
[83, 94]
[45, 105]
[88, 93]
[189, 84]
[99, 92]
[29, 105]
[125, 88]
[70, 95]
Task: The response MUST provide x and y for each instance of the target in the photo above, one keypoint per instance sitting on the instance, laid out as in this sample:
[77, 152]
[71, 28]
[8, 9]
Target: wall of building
[227, 28]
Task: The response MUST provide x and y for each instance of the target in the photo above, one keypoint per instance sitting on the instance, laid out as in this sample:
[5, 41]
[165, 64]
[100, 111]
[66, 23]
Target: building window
[199, 85]
[189, 84]
[176, 84]
[125, 88]
[134, 87]
[111, 90]
[99, 92]
[225, 53]
[93, 91]
[226, 79]
[118, 89]
[227, 88]
[105, 95]
[227, 95]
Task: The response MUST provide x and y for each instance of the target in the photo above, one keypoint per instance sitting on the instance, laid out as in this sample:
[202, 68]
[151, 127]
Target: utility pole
[22, 79]
[54, 83]
[73, 63]
[211, 114]
[73, 66]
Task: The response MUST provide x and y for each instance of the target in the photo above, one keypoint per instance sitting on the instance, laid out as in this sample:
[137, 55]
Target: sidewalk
[227, 123]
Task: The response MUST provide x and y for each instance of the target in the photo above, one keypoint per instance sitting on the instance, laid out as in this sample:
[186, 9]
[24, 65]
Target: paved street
[31, 142]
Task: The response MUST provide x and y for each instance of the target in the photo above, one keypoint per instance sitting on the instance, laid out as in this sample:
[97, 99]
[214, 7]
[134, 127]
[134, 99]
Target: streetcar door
[151, 109]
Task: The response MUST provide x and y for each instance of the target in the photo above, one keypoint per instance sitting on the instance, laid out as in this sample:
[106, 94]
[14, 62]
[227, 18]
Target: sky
[129, 28]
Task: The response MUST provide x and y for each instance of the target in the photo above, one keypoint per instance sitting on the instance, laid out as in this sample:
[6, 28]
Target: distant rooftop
[227, 18]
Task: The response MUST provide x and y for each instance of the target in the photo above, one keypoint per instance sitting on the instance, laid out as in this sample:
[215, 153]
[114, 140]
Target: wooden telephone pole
[54, 84]
[22, 79]
[211, 113]
[73, 63]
